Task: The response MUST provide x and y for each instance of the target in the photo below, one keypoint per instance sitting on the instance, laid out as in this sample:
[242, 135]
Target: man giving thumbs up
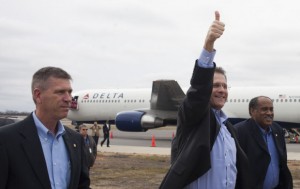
[205, 152]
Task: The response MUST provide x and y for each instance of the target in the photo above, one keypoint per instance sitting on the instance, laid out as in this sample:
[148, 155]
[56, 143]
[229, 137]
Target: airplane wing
[166, 97]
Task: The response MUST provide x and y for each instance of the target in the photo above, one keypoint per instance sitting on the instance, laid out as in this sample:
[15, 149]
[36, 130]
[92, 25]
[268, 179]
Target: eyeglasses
[84, 129]
[218, 85]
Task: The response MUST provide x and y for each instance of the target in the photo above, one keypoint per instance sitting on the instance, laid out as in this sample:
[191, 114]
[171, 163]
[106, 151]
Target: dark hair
[40, 77]
[220, 70]
[253, 104]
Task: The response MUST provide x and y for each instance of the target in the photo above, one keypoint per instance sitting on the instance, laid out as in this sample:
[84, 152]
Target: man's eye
[218, 85]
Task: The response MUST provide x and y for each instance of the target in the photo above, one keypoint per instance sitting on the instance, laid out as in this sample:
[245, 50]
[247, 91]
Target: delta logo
[87, 96]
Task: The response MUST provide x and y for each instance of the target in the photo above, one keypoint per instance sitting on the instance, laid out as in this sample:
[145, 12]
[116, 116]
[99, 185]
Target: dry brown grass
[115, 170]
[120, 171]
[294, 167]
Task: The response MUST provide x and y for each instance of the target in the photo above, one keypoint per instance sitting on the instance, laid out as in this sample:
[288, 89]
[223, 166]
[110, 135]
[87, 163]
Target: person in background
[90, 145]
[39, 152]
[205, 153]
[95, 132]
[263, 141]
[106, 129]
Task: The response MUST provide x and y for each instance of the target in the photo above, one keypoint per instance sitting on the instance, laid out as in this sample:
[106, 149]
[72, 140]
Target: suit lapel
[278, 141]
[34, 152]
[214, 129]
[257, 135]
[72, 147]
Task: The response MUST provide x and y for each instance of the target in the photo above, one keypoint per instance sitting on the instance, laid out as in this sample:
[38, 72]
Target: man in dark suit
[39, 152]
[106, 129]
[90, 145]
[263, 142]
[205, 152]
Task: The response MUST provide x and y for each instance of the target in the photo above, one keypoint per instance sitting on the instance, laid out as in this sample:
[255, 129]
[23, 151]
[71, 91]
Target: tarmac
[159, 151]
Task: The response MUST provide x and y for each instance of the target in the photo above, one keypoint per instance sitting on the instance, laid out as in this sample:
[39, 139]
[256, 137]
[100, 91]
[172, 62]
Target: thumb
[217, 15]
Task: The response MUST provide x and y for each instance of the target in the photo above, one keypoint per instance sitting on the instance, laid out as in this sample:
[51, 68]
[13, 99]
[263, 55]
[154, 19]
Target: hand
[215, 31]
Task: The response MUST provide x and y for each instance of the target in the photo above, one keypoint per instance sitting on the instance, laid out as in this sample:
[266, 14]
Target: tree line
[14, 113]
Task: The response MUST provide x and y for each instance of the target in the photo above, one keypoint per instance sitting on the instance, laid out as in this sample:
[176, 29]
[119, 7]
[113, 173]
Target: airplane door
[74, 103]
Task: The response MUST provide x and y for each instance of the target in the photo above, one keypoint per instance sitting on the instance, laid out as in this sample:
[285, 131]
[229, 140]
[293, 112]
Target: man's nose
[68, 97]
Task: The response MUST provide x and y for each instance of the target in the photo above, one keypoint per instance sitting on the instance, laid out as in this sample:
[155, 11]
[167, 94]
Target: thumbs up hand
[215, 31]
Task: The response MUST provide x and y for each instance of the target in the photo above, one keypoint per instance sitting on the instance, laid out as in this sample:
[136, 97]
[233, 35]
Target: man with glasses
[205, 152]
[90, 145]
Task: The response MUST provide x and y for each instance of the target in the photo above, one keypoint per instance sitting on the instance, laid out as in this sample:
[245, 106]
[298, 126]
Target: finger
[217, 15]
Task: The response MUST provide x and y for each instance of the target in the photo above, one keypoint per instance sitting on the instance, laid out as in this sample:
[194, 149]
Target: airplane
[137, 110]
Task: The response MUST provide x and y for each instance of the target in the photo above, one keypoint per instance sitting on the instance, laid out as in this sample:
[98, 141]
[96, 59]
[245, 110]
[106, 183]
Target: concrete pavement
[160, 151]
[293, 156]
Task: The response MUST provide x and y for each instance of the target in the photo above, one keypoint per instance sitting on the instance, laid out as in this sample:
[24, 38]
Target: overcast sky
[130, 43]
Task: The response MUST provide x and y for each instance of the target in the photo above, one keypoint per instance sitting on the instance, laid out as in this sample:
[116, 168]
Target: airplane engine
[135, 121]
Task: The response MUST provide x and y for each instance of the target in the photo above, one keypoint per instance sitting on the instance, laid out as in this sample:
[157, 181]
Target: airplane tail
[166, 95]
[166, 98]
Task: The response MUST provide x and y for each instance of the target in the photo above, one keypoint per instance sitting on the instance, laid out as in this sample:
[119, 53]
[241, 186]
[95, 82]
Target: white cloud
[115, 43]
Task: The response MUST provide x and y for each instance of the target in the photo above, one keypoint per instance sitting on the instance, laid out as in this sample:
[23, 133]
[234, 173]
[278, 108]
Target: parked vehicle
[293, 138]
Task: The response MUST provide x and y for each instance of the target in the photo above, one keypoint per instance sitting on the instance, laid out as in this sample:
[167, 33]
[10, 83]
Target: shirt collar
[263, 131]
[43, 130]
[220, 115]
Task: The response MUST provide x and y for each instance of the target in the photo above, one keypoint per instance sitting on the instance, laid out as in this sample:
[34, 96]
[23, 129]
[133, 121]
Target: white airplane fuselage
[286, 102]
[105, 104]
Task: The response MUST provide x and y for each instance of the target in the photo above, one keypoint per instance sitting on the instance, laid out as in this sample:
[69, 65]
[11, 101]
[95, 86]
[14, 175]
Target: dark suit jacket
[22, 162]
[106, 128]
[254, 146]
[197, 130]
[91, 151]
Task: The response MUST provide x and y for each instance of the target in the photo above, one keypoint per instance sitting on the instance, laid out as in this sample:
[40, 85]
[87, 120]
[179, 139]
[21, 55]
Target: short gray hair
[40, 77]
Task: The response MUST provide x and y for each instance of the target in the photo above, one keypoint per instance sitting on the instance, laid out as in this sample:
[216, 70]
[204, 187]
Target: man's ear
[252, 111]
[37, 95]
